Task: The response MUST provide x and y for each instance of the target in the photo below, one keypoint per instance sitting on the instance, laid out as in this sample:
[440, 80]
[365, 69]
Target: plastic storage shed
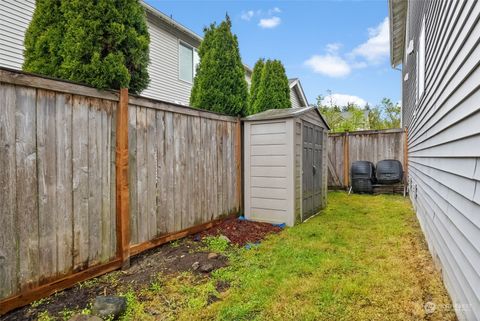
[285, 165]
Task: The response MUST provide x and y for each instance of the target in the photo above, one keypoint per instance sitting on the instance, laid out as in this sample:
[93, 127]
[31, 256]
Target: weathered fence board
[371, 145]
[169, 154]
[59, 148]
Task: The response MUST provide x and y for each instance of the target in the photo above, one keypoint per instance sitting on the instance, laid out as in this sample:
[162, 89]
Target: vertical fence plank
[94, 183]
[178, 188]
[26, 181]
[170, 170]
[161, 174]
[220, 187]
[46, 182]
[202, 162]
[8, 230]
[142, 217]
[213, 170]
[80, 181]
[113, 179]
[238, 161]
[105, 148]
[183, 171]
[64, 203]
[151, 169]
[132, 165]
[196, 158]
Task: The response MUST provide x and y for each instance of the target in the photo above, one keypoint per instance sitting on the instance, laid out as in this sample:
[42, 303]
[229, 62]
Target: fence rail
[370, 145]
[65, 167]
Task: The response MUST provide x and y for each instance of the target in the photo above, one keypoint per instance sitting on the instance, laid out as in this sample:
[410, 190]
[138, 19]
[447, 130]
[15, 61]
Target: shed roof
[284, 113]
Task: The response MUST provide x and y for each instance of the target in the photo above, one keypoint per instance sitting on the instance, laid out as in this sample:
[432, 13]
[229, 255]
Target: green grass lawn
[363, 258]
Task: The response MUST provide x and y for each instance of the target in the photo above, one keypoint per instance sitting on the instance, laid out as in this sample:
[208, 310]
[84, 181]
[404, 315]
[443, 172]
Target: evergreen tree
[273, 91]
[219, 83]
[256, 77]
[43, 39]
[102, 43]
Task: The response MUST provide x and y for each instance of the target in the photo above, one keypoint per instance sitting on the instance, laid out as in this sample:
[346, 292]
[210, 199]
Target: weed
[44, 316]
[38, 303]
[216, 244]
[175, 243]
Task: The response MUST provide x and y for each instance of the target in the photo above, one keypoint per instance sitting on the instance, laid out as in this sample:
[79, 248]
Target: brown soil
[241, 232]
[167, 259]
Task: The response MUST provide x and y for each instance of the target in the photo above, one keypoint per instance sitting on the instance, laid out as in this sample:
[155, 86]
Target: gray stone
[83, 317]
[105, 306]
[223, 237]
[195, 266]
[212, 256]
[206, 268]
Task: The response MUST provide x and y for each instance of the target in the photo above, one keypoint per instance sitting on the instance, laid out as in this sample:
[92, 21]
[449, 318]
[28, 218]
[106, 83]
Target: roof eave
[397, 11]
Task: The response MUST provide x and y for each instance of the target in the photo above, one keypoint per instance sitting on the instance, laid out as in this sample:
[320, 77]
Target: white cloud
[269, 22]
[343, 100]
[330, 65]
[377, 47]
[333, 47]
[274, 10]
[247, 15]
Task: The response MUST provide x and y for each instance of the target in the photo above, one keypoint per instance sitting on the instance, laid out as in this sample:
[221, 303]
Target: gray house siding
[444, 142]
[164, 65]
[296, 102]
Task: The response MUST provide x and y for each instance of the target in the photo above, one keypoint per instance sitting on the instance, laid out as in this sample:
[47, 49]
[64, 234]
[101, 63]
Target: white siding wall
[269, 174]
[164, 65]
[15, 15]
[296, 102]
[444, 142]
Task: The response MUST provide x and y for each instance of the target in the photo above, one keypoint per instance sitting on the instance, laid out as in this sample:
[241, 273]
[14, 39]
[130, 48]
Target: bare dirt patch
[171, 258]
[241, 232]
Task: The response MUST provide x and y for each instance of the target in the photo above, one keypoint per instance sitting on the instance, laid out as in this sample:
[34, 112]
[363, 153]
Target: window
[421, 62]
[188, 61]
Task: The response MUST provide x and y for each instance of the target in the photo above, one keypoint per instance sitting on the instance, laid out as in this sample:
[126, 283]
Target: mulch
[241, 232]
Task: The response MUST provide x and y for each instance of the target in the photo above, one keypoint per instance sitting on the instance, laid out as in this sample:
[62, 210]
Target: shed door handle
[314, 169]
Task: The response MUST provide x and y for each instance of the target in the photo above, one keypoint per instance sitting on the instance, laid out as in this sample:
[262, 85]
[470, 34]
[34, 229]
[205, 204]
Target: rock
[223, 237]
[195, 266]
[105, 306]
[206, 268]
[212, 256]
[83, 317]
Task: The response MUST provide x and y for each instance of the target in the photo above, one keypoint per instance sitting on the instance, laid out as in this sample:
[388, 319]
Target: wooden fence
[65, 164]
[369, 145]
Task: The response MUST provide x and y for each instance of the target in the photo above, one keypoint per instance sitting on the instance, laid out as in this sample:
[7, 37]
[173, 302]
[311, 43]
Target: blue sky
[340, 46]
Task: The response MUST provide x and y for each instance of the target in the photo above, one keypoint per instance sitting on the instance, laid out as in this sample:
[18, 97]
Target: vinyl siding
[296, 102]
[164, 65]
[14, 19]
[444, 140]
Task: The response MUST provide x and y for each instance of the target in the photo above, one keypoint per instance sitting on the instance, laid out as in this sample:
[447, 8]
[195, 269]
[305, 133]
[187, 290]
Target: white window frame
[195, 60]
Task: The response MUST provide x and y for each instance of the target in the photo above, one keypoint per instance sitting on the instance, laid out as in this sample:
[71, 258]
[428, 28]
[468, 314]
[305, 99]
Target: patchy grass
[363, 258]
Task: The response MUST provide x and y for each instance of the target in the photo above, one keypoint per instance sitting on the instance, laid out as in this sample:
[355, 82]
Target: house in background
[437, 44]
[173, 52]
[297, 96]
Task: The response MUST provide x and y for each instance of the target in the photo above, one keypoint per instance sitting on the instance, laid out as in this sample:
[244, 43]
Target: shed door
[312, 169]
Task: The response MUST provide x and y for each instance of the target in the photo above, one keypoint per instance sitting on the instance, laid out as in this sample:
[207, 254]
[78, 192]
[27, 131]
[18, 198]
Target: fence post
[238, 162]
[346, 160]
[121, 181]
